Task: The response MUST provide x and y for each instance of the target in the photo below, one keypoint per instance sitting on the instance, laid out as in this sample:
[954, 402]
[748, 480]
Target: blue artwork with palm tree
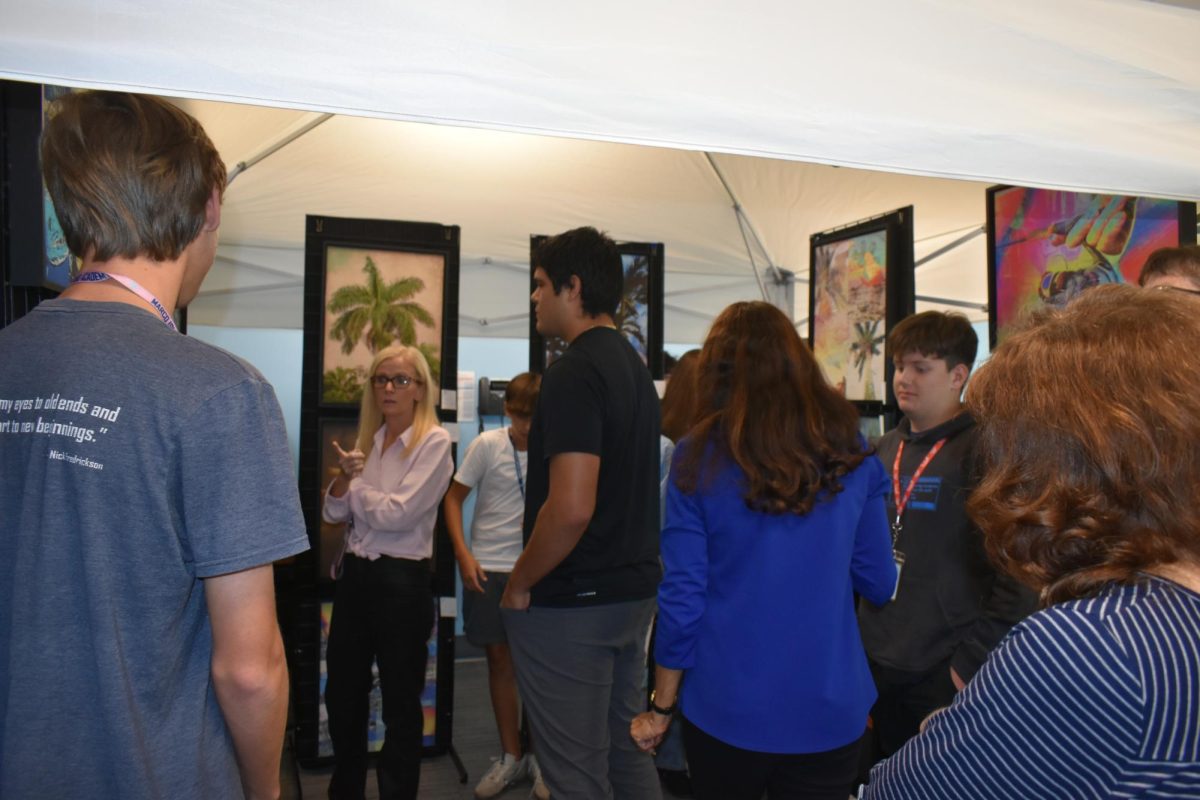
[632, 317]
[389, 304]
[61, 265]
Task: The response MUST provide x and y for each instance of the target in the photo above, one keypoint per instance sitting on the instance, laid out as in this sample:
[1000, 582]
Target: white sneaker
[504, 772]
[540, 790]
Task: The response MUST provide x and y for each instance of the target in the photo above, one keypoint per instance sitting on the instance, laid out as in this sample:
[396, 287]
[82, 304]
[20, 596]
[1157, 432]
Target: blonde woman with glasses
[388, 489]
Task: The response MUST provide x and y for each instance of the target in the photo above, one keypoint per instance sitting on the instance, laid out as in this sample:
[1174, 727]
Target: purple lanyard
[133, 286]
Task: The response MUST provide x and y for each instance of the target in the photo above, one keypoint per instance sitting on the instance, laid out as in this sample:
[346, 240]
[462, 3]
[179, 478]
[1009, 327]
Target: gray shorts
[481, 612]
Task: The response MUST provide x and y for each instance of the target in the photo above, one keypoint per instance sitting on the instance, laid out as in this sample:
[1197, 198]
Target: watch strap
[657, 709]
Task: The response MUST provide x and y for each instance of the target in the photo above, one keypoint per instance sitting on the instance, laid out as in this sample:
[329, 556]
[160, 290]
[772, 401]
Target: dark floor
[474, 738]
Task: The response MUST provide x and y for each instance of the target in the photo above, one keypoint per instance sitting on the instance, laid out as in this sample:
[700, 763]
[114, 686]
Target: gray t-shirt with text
[134, 463]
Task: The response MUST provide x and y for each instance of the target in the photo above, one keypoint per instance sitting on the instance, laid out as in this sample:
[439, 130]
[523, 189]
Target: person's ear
[574, 287]
[958, 377]
[212, 211]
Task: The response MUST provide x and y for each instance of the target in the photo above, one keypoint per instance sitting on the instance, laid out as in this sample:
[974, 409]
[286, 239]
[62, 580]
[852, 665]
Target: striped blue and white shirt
[1092, 698]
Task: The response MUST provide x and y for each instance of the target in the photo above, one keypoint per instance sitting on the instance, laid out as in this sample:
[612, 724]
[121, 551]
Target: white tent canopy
[1087, 94]
[502, 187]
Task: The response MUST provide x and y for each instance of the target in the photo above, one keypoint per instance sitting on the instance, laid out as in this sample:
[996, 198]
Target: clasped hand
[648, 730]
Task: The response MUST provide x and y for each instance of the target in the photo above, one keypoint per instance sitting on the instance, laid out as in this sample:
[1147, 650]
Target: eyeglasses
[1162, 287]
[399, 381]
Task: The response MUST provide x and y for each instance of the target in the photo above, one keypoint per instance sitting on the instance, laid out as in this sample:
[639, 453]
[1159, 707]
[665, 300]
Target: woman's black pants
[382, 611]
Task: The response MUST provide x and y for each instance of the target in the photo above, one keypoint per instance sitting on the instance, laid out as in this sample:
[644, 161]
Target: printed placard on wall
[375, 298]
[639, 314]
[1046, 246]
[860, 286]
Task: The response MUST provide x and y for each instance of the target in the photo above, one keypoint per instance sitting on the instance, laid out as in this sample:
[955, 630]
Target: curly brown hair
[1089, 442]
[764, 404]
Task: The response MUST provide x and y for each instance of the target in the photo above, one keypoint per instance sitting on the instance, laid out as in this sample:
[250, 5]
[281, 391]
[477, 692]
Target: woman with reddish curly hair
[1089, 423]
[775, 518]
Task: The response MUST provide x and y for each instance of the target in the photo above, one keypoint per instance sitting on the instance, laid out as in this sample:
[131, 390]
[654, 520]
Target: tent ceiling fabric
[501, 187]
[1089, 94]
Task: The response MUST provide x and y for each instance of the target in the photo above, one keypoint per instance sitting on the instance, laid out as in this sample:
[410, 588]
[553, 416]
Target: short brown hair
[1183, 262]
[765, 405]
[129, 174]
[521, 394]
[1088, 427]
[935, 334]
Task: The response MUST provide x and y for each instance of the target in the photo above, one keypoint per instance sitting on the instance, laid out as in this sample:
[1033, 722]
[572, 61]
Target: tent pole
[743, 224]
[941, 251]
[946, 301]
[242, 166]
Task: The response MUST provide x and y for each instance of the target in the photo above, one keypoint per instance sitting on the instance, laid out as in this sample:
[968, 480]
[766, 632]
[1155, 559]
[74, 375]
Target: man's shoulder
[134, 348]
[216, 364]
[888, 443]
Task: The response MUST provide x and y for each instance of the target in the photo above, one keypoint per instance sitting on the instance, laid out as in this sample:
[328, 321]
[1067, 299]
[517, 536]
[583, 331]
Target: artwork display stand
[368, 284]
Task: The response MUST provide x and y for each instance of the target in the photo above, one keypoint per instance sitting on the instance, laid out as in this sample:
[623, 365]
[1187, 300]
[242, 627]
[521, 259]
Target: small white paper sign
[468, 392]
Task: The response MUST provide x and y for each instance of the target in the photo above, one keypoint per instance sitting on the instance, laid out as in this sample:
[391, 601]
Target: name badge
[899, 559]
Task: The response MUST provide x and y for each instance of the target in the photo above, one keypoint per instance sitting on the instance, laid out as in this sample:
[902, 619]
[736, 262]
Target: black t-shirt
[598, 398]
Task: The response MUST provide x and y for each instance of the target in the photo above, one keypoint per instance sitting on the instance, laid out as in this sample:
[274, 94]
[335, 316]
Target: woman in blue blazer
[775, 519]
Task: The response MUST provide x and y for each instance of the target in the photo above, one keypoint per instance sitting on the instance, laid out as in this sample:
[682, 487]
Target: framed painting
[374, 298]
[1045, 246]
[639, 314]
[860, 285]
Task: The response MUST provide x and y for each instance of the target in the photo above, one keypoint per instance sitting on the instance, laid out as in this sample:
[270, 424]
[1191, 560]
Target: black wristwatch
[666, 712]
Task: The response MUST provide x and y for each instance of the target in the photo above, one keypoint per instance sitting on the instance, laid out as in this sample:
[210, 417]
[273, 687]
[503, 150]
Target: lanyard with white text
[133, 286]
[517, 466]
[902, 503]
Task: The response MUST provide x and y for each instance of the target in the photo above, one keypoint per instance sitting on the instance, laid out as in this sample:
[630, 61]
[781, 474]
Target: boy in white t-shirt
[495, 465]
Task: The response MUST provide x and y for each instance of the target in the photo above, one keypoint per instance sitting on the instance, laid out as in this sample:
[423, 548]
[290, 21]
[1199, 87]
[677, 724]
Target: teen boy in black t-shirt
[580, 598]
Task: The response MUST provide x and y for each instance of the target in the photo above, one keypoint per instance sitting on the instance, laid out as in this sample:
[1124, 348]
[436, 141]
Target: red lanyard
[902, 503]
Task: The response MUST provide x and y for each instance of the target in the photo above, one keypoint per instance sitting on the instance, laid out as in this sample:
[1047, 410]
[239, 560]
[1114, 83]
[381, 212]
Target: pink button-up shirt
[394, 502]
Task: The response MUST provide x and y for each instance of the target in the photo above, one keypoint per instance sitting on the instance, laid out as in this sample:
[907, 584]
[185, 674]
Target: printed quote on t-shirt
[75, 422]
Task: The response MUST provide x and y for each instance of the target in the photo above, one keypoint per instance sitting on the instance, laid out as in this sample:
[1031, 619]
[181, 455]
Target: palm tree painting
[373, 299]
[864, 348]
[849, 310]
[632, 314]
